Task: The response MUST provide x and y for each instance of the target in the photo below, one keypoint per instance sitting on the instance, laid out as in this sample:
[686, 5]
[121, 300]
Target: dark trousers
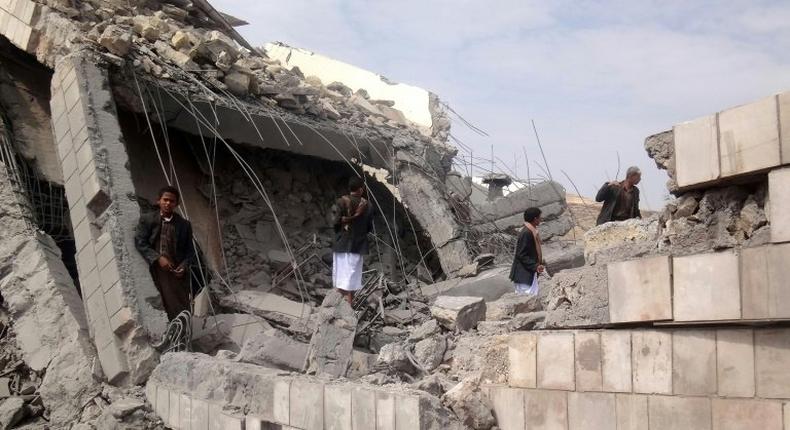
[174, 291]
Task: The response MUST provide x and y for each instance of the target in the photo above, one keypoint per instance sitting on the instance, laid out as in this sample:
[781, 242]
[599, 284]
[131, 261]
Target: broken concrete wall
[116, 286]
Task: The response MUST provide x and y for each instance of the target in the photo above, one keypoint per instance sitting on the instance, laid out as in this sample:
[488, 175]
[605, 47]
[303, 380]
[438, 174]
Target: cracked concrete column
[116, 285]
[421, 169]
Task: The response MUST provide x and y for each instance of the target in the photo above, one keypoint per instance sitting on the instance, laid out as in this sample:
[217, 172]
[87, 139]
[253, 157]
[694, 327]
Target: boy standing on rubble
[528, 258]
[352, 222]
[164, 239]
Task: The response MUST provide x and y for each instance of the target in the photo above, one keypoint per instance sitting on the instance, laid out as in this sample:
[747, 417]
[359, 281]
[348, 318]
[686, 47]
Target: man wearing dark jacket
[164, 239]
[528, 258]
[620, 199]
[352, 222]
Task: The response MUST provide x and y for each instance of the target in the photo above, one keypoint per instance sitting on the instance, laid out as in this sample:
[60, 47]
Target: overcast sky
[597, 77]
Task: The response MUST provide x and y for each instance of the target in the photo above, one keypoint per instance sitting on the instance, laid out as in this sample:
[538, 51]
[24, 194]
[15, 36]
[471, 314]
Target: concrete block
[150, 393]
[363, 408]
[86, 259]
[787, 416]
[174, 418]
[616, 360]
[652, 361]
[254, 423]
[591, 411]
[79, 212]
[556, 361]
[749, 137]
[385, 411]
[71, 94]
[522, 355]
[508, 405]
[407, 412]
[109, 275]
[779, 193]
[764, 286]
[113, 299]
[80, 137]
[91, 189]
[696, 151]
[90, 284]
[730, 414]
[694, 362]
[231, 422]
[73, 189]
[57, 103]
[77, 119]
[459, 313]
[281, 408]
[113, 363]
[675, 413]
[121, 321]
[337, 407]
[98, 320]
[545, 409]
[631, 412]
[735, 362]
[162, 407]
[640, 290]
[199, 418]
[185, 412]
[305, 396]
[104, 254]
[772, 362]
[784, 126]
[589, 375]
[215, 416]
[707, 287]
[69, 164]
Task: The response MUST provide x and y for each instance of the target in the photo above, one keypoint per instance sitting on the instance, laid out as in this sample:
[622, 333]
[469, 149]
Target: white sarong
[531, 290]
[347, 271]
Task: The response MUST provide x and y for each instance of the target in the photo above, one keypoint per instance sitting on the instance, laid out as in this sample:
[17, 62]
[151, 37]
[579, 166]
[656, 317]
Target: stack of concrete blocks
[93, 161]
[198, 392]
[17, 19]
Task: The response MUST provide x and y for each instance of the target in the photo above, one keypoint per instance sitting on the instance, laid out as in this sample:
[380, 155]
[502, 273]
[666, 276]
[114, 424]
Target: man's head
[168, 200]
[532, 216]
[355, 185]
[633, 175]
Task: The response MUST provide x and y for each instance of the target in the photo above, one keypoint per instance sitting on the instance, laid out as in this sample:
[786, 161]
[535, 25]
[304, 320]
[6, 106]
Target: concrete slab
[556, 361]
[385, 411]
[779, 193]
[304, 398]
[522, 356]
[631, 412]
[696, 151]
[337, 407]
[652, 361]
[749, 137]
[508, 406]
[589, 375]
[772, 362]
[694, 362]
[674, 413]
[735, 362]
[707, 287]
[730, 414]
[490, 285]
[591, 411]
[640, 290]
[616, 360]
[546, 409]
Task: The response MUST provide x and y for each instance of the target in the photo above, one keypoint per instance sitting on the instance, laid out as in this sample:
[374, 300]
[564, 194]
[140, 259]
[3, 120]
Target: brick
[735, 362]
[616, 360]
[79, 212]
[640, 290]
[707, 287]
[749, 137]
[779, 194]
[73, 189]
[99, 322]
[162, 407]
[764, 285]
[304, 398]
[281, 412]
[652, 361]
[363, 408]
[674, 413]
[81, 137]
[730, 414]
[199, 419]
[113, 363]
[545, 409]
[631, 412]
[556, 361]
[522, 355]
[69, 165]
[185, 412]
[113, 299]
[121, 320]
[591, 411]
[77, 119]
[109, 275]
[508, 406]
[86, 259]
[105, 254]
[407, 412]
[696, 151]
[385, 411]
[174, 418]
[694, 362]
[337, 407]
[91, 188]
[589, 376]
[82, 234]
[772, 362]
[71, 94]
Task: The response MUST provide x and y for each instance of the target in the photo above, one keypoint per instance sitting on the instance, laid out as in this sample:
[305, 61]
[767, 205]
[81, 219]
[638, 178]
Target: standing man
[352, 222]
[528, 258]
[164, 239]
[620, 199]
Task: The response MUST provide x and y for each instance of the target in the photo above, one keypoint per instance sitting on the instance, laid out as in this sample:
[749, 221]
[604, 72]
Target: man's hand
[165, 262]
[179, 271]
[614, 183]
[541, 268]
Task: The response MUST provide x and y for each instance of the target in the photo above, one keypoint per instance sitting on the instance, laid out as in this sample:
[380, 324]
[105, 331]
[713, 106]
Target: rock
[430, 352]
[468, 270]
[238, 83]
[12, 411]
[149, 27]
[333, 339]
[661, 148]
[339, 87]
[279, 256]
[225, 331]
[362, 364]
[178, 58]
[364, 105]
[576, 298]
[329, 110]
[432, 384]
[267, 305]
[218, 48]
[117, 40]
[528, 321]
[686, 206]
[181, 40]
[489, 285]
[562, 255]
[618, 241]
[392, 114]
[470, 405]
[395, 356]
[511, 304]
[122, 408]
[459, 313]
[751, 218]
[425, 330]
[274, 348]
